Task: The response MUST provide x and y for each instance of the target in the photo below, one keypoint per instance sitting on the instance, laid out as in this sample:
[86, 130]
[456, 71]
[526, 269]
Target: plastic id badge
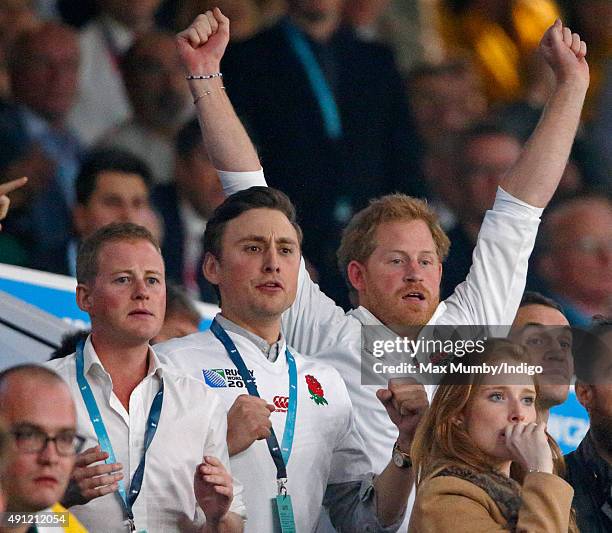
[284, 513]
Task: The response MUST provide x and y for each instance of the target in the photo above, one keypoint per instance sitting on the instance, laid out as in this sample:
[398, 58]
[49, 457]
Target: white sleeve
[492, 291]
[233, 182]
[314, 322]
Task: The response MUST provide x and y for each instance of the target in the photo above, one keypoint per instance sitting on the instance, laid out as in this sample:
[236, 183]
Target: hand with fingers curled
[528, 445]
[202, 45]
[248, 420]
[89, 482]
[406, 401]
[565, 53]
[213, 489]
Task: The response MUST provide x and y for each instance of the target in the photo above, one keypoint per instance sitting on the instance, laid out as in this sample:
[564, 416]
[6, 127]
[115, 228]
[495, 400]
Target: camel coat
[450, 504]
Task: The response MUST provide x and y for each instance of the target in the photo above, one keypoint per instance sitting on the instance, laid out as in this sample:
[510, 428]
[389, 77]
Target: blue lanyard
[280, 455]
[127, 500]
[318, 83]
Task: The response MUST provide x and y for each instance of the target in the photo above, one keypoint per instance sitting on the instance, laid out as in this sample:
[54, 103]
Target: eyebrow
[505, 388]
[566, 329]
[259, 238]
[130, 271]
[30, 425]
[403, 252]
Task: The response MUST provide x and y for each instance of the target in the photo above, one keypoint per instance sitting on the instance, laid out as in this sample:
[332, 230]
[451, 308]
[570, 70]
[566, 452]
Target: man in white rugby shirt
[135, 408]
[300, 406]
[397, 272]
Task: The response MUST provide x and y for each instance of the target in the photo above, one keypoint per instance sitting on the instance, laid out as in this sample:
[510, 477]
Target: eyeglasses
[33, 440]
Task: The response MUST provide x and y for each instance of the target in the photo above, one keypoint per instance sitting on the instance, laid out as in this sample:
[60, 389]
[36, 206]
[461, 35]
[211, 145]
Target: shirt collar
[91, 362]
[271, 351]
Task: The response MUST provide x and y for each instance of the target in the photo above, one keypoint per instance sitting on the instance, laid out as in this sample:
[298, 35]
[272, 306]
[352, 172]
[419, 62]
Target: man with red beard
[392, 252]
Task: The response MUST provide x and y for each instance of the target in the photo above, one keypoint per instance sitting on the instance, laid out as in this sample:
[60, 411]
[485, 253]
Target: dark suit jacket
[166, 201]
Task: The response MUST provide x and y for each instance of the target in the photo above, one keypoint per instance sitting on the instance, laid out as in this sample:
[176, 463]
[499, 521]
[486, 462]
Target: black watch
[400, 458]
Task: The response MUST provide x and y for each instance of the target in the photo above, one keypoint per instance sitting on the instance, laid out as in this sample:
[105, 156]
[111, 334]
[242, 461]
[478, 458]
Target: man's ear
[83, 297]
[584, 393]
[356, 275]
[211, 268]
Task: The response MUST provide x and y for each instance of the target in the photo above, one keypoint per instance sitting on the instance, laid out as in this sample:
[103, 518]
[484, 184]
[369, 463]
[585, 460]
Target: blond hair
[358, 240]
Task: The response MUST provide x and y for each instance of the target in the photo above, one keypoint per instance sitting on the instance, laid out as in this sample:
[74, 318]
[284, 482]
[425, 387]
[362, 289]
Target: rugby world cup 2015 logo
[215, 377]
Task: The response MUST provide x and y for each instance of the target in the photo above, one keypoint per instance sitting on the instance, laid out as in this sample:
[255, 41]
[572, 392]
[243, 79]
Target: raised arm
[535, 176]
[201, 47]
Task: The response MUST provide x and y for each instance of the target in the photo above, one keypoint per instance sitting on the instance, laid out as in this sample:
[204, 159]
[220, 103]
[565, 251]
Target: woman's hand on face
[529, 447]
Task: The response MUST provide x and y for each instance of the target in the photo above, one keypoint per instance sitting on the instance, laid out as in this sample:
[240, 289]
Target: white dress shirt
[193, 424]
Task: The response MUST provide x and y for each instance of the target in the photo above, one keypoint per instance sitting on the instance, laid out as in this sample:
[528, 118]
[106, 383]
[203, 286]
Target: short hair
[188, 138]
[537, 298]
[108, 160]
[253, 198]
[70, 341]
[357, 242]
[178, 303]
[87, 258]
[31, 370]
[591, 348]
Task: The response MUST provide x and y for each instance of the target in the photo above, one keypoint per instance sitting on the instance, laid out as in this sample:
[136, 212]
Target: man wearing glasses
[38, 409]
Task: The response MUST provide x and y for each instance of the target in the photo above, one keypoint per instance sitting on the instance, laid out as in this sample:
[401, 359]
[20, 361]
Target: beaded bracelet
[204, 76]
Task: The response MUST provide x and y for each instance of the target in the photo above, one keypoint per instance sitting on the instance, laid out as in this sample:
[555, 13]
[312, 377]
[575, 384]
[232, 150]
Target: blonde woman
[464, 449]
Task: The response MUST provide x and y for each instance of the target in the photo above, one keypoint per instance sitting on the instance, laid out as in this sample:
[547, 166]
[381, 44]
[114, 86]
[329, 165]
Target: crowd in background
[335, 126]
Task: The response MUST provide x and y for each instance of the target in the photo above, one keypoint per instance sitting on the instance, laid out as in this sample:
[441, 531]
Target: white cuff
[233, 182]
[506, 203]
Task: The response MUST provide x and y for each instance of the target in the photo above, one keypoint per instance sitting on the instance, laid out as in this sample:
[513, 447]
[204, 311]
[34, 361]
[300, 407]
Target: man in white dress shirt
[137, 409]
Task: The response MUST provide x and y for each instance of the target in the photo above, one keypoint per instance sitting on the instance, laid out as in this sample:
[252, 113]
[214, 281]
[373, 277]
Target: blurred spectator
[330, 118]
[102, 101]
[159, 95]
[112, 186]
[16, 16]
[486, 152]
[500, 36]
[543, 330]
[182, 318]
[589, 467]
[36, 141]
[445, 101]
[185, 205]
[575, 257]
[600, 131]
[366, 17]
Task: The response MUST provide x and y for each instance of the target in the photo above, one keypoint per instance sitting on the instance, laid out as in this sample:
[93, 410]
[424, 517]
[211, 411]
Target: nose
[412, 271]
[140, 289]
[516, 413]
[271, 263]
[48, 455]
